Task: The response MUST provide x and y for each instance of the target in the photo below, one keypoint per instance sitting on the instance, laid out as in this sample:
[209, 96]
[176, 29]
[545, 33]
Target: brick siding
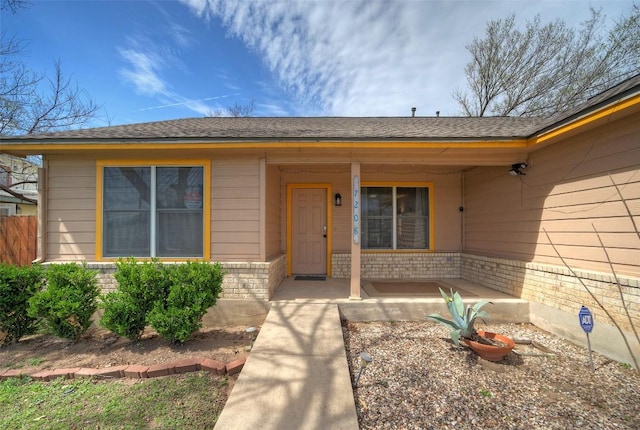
[256, 280]
[557, 287]
[400, 265]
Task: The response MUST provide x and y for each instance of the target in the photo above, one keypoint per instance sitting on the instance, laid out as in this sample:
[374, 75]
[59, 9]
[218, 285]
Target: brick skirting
[557, 287]
[243, 280]
[399, 265]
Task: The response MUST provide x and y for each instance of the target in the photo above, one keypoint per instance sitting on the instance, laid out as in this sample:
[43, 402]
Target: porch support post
[354, 292]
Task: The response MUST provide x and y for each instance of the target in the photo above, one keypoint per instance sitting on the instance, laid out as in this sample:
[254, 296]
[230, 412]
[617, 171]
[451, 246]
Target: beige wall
[568, 191]
[71, 207]
[71, 220]
[235, 210]
[273, 212]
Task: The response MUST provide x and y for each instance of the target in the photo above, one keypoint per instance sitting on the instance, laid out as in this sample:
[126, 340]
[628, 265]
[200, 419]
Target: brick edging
[134, 371]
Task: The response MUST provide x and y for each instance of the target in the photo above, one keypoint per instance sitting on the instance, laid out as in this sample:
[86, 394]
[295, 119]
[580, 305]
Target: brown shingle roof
[310, 128]
[336, 128]
[618, 92]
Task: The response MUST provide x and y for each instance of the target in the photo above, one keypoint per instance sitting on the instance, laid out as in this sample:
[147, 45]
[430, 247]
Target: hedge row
[62, 299]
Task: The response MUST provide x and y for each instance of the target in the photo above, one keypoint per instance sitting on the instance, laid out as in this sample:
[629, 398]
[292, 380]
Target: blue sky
[156, 60]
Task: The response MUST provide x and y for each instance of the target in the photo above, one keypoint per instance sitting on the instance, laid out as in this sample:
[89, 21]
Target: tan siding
[568, 191]
[235, 236]
[79, 203]
[237, 216]
[252, 225]
[235, 203]
[82, 226]
[71, 219]
[447, 200]
[602, 225]
[274, 212]
[232, 192]
[75, 237]
[71, 252]
[71, 215]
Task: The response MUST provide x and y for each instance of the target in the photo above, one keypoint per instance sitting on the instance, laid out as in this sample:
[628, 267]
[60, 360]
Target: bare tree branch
[544, 69]
[33, 102]
[238, 110]
[12, 5]
[596, 300]
[235, 111]
[18, 195]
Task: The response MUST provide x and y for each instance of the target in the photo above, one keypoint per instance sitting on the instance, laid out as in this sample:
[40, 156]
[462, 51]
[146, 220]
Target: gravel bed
[419, 380]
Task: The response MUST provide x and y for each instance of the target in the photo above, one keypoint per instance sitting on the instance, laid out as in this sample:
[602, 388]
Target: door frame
[327, 188]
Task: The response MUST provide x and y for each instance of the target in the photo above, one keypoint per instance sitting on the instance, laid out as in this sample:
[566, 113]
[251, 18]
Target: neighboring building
[20, 176]
[420, 197]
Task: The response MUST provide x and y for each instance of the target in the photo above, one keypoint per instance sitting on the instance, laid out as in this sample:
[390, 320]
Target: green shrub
[68, 301]
[141, 285]
[195, 287]
[122, 315]
[17, 286]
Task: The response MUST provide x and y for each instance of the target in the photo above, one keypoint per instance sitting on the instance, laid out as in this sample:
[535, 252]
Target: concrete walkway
[296, 376]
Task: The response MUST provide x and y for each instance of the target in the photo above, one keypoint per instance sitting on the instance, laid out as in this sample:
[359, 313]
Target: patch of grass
[625, 365]
[194, 400]
[34, 361]
[485, 392]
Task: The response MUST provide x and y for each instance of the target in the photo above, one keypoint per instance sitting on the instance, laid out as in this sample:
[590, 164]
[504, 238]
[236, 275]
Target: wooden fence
[18, 239]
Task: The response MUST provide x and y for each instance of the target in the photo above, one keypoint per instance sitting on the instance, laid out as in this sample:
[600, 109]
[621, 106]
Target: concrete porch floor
[405, 307]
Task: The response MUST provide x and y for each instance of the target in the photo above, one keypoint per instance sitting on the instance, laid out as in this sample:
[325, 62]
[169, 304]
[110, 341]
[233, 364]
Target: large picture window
[395, 217]
[153, 211]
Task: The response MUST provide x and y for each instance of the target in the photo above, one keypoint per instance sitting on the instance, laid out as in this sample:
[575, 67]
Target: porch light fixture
[251, 334]
[365, 359]
[517, 169]
[338, 199]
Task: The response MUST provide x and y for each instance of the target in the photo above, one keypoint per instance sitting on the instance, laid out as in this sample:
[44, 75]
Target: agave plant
[463, 321]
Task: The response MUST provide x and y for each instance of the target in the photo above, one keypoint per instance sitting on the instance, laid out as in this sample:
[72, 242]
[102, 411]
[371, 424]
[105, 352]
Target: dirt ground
[99, 348]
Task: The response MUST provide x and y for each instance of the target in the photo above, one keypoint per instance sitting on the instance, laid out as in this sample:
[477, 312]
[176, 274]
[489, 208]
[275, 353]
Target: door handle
[324, 231]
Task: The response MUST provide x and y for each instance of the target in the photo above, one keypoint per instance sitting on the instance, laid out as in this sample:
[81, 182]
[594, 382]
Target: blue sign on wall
[586, 319]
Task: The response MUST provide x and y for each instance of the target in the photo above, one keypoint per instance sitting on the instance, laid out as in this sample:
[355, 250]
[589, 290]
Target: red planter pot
[490, 352]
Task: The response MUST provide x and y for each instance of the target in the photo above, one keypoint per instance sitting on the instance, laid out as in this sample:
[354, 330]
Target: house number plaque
[356, 209]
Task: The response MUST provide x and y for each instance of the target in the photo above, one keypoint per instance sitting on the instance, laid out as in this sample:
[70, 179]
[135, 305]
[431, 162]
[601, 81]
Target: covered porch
[399, 299]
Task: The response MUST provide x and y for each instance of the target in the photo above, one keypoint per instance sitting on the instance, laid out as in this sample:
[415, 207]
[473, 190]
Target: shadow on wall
[563, 235]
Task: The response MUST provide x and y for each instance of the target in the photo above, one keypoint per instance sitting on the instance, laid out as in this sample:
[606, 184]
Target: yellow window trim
[290, 188]
[206, 204]
[431, 212]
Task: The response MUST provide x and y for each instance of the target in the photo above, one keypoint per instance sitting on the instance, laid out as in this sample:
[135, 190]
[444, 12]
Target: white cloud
[350, 58]
[145, 64]
[143, 72]
[368, 57]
